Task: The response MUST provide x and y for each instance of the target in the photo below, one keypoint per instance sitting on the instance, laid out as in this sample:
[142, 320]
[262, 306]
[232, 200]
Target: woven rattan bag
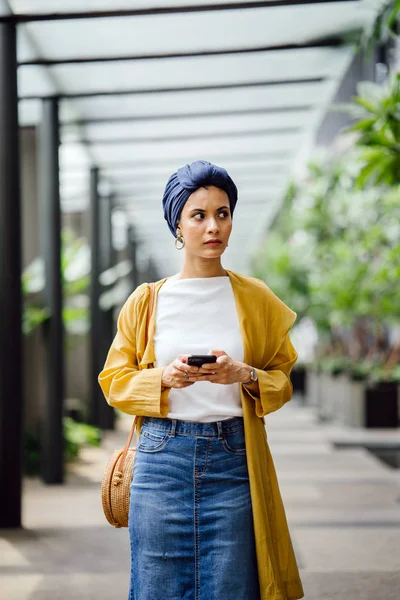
[117, 477]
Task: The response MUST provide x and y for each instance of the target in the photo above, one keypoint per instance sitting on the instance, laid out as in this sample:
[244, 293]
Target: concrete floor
[343, 508]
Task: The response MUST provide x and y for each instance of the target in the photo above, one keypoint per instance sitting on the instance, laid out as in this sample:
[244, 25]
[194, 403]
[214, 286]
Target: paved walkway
[343, 508]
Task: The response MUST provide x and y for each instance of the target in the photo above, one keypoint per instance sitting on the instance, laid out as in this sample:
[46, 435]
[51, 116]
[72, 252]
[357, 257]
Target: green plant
[360, 370]
[76, 435]
[31, 453]
[377, 110]
[282, 263]
[381, 373]
[383, 28]
[33, 316]
[75, 283]
[335, 365]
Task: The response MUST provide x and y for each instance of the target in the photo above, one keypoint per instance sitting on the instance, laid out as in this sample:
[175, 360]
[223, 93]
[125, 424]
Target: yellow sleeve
[274, 380]
[277, 358]
[126, 386]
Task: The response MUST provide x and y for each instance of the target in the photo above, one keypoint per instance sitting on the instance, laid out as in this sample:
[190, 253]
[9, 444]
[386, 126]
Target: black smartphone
[196, 360]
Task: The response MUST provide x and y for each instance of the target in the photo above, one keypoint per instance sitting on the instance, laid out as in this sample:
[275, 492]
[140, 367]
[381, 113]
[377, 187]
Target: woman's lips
[213, 243]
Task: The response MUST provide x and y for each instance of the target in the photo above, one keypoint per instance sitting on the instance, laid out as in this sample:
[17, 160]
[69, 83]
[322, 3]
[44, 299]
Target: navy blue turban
[187, 180]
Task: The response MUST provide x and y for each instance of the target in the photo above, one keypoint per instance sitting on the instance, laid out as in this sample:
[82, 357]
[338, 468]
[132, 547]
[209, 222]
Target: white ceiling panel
[215, 125]
[73, 186]
[185, 32]
[142, 171]
[138, 139]
[29, 112]
[183, 72]
[33, 81]
[45, 6]
[195, 150]
[187, 103]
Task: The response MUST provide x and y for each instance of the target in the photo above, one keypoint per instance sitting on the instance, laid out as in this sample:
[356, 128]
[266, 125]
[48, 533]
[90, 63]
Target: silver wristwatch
[253, 377]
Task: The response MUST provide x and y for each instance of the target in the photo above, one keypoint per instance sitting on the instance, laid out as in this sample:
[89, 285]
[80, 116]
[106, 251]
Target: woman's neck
[204, 268]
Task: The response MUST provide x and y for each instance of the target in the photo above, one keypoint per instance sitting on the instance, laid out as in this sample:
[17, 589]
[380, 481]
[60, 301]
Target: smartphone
[196, 360]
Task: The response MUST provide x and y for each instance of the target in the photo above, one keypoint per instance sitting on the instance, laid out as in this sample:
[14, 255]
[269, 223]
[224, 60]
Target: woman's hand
[225, 370]
[179, 374]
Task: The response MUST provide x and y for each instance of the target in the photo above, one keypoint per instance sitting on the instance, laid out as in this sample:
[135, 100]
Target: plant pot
[355, 411]
[325, 397]
[381, 405]
[313, 388]
[298, 378]
[343, 391]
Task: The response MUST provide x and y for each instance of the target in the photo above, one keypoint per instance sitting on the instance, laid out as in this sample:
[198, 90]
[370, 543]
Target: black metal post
[11, 395]
[107, 260]
[133, 244]
[52, 437]
[96, 399]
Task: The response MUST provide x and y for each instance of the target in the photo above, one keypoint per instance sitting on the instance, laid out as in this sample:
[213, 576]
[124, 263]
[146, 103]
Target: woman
[206, 518]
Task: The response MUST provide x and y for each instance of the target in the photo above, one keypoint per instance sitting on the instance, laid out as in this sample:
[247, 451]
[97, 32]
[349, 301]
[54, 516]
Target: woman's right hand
[174, 374]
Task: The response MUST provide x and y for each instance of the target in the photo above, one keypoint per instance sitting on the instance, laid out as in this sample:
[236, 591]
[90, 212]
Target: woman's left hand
[225, 370]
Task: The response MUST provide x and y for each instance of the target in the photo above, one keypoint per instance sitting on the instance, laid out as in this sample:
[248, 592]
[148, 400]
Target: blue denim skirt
[190, 519]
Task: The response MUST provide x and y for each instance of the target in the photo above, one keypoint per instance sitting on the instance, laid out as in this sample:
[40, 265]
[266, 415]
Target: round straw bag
[116, 484]
[117, 477]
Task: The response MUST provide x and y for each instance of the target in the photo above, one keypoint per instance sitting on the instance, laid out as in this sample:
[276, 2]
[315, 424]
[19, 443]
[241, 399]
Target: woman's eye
[224, 213]
[195, 216]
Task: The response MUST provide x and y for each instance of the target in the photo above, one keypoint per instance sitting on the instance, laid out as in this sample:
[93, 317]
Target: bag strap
[118, 474]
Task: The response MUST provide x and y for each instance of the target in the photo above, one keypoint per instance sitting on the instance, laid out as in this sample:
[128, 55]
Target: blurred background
[99, 103]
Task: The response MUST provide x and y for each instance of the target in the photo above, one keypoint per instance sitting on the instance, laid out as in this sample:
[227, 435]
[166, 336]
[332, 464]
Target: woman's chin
[213, 252]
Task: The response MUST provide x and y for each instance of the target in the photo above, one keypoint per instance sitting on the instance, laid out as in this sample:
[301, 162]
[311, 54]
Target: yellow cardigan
[265, 321]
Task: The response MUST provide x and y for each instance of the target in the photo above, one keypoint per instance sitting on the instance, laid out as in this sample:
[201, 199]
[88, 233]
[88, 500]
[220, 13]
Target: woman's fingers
[190, 370]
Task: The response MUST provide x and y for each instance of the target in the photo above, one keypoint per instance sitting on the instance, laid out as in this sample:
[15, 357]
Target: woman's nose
[213, 225]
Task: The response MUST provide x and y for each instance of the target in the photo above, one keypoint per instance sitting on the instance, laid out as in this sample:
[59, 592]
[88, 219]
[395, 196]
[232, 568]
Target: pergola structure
[125, 93]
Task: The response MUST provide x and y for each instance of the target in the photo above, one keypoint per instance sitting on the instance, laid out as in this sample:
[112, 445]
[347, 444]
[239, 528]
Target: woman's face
[206, 222]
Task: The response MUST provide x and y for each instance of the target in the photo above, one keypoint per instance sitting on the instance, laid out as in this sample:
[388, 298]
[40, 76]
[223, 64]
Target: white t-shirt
[194, 316]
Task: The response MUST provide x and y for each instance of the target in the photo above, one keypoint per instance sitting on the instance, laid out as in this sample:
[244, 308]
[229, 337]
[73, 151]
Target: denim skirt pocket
[234, 442]
[152, 441]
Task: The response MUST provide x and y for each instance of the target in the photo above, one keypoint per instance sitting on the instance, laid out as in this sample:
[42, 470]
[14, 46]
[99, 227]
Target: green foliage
[335, 365]
[380, 372]
[76, 436]
[31, 453]
[33, 316]
[81, 433]
[383, 27]
[378, 129]
[334, 250]
[32, 282]
[287, 270]
[361, 369]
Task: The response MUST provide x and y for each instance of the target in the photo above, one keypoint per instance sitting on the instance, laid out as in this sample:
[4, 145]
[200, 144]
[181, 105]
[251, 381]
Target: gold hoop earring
[179, 240]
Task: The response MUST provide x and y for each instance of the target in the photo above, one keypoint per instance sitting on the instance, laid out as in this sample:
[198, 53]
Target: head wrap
[187, 180]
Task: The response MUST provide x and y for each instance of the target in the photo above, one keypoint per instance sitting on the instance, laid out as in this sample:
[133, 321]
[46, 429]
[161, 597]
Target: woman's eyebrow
[203, 210]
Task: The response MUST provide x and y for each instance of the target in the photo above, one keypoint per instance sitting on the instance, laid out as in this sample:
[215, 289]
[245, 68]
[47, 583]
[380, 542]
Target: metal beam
[326, 43]
[106, 329]
[11, 367]
[97, 402]
[167, 10]
[132, 250]
[196, 88]
[188, 116]
[52, 437]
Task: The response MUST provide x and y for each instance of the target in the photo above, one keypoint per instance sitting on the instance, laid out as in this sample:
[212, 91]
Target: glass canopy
[147, 86]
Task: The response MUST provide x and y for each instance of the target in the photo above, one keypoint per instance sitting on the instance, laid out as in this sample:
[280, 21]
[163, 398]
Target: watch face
[254, 374]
